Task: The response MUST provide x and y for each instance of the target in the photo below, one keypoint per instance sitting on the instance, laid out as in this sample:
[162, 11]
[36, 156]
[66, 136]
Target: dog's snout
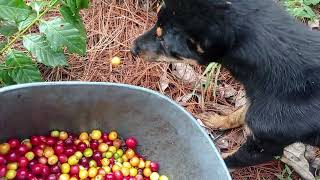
[135, 50]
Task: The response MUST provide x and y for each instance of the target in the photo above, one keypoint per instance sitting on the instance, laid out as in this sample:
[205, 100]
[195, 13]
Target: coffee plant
[302, 8]
[46, 29]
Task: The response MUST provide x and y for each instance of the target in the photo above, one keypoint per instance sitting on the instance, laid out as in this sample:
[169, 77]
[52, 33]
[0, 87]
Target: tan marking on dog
[199, 49]
[230, 153]
[247, 131]
[192, 40]
[159, 32]
[234, 120]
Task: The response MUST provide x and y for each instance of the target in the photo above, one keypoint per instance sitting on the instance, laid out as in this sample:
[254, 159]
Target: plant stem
[20, 33]
[216, 82]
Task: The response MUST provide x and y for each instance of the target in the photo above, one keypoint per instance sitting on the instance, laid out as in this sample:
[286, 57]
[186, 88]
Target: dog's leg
[253, 152]
[234, 120]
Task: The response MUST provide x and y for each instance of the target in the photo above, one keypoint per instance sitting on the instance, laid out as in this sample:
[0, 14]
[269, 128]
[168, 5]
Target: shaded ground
[111, 28]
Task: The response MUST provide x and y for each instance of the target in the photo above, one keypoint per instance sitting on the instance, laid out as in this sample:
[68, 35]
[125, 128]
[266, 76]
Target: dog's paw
[217, 122]
[214, 121]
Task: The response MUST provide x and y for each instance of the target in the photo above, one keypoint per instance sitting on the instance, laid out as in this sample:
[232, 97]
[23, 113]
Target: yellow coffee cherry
[154, 176]
[116, 61]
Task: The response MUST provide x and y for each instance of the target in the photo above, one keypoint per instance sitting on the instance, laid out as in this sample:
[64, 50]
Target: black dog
[275, 57]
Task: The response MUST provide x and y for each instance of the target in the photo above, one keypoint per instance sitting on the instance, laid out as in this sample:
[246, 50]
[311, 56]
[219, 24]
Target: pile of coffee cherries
[66, 156]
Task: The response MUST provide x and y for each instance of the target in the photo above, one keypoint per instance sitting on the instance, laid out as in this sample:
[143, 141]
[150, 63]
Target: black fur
[275, 57]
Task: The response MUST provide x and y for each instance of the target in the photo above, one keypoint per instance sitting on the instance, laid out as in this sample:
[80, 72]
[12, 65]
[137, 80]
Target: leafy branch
[56, 35]
[20, 33]
[301, 8]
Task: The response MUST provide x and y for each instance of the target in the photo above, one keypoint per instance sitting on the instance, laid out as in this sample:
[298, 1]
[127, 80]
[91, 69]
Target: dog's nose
[135, 50]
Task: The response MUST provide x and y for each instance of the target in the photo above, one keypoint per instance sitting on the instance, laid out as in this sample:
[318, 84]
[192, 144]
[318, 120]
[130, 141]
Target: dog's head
[187, 30]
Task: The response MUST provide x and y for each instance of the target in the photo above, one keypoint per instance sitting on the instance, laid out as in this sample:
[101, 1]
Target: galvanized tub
[166, 132]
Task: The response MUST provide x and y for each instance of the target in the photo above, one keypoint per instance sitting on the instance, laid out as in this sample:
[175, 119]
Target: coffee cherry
[52, 160]
[84, 136]
[63, 135]
[55, 134]
[13, 143]
[83, 174]
[74, 170]
[4, 148]
[11, 174]
[103, 147]
[131, 143]
[147, 172]
[88, 152]
[116, 61]
[154, 166]
[65, 168]
[12, 166]
[73, 160]
[92, 172]
[22, 149]
[23, 162]
[113, 135]
[48, 151]
[154, 176]
[96, 134]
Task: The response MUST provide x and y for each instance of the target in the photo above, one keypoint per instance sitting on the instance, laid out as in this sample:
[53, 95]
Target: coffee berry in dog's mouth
[65, 156]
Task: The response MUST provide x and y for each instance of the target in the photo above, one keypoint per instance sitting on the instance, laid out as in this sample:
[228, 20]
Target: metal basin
[166, 132]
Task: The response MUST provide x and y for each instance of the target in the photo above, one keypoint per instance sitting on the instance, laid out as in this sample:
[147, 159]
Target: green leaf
[54, 2]
[2, 45]
[288, 169]
[38, 6]
[83, 4]
[311, 2]
[40, 48]
[72, 4]
[24, 24]
[73, 18]
[5, 79]
[209, 68]
[300, 12]
[14, 10]
[21, 68]
[63, 34]
[309, 12]
[8, 28]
